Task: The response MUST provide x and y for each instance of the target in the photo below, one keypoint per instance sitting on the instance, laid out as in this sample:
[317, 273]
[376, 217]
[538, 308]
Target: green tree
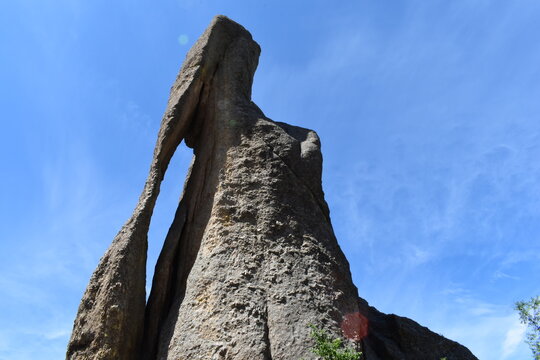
[331, 349]
[529, 313]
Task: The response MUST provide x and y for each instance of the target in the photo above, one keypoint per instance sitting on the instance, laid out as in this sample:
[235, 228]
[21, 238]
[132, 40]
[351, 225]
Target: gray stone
[395, 337]
[250, 259]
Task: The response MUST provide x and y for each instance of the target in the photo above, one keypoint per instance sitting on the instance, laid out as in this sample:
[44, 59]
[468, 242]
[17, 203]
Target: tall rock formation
[250, 259]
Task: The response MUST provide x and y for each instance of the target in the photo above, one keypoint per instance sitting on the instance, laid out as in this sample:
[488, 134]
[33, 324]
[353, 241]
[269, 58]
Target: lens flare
[354, 326]
[183, 39]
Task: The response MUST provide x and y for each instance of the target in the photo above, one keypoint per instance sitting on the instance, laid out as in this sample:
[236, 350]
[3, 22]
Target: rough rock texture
[395, 337]
[250, 259]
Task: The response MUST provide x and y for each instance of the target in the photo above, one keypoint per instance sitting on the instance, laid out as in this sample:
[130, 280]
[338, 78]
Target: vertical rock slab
[215, 44]
[250, 259]
[110, 318]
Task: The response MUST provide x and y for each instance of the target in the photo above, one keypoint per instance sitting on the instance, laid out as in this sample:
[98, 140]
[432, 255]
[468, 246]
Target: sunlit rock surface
[250, 259]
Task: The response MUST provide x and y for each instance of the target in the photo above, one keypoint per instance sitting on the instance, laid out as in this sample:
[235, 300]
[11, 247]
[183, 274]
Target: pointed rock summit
[250, 259]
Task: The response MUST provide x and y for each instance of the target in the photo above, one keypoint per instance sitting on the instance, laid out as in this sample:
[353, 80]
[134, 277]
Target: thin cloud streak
[514, 337]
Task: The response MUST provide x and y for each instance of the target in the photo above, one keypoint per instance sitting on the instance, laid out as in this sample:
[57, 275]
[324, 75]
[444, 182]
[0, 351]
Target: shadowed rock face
[250, 258]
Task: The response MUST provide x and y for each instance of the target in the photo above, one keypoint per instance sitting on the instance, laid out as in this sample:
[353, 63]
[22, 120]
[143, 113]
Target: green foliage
[331, 349]
[529, 313]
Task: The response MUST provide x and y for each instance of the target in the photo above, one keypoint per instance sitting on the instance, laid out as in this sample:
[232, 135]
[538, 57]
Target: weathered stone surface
[395, 337]
[110, 319]
[251, 258]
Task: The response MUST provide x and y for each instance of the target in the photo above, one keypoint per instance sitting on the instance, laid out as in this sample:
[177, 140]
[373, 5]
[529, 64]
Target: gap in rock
[167, 202]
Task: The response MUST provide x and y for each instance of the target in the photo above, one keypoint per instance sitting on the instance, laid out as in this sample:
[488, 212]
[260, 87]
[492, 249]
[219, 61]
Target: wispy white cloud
[489, 330]
[514, 336]
[67, 228]
[134, 119]
[502, 275]
[490, 337]
[58, 333]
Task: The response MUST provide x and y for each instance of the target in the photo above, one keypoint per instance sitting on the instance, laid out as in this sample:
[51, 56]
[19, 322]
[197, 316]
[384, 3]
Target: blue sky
[427, 110]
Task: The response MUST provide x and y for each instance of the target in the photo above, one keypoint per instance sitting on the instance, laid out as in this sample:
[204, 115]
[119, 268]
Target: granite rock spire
[250, 259]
